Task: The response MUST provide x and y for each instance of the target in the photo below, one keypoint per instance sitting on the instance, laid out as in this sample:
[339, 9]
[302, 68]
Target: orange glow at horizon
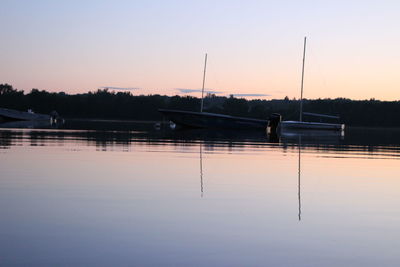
[253, 48]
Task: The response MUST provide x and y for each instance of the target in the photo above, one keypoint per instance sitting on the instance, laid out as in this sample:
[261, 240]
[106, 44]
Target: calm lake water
[126, 194]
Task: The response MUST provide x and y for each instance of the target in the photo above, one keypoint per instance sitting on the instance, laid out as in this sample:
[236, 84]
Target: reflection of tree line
[232, 141]
[105, 140]
[124, 105]
[6, 139]
[10, 138]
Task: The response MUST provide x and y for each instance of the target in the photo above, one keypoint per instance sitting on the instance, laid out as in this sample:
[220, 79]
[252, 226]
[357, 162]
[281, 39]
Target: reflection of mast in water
[201, 169]
[299, 189]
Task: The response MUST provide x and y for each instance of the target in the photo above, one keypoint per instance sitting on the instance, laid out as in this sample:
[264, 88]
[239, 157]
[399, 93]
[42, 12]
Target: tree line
[105, 104]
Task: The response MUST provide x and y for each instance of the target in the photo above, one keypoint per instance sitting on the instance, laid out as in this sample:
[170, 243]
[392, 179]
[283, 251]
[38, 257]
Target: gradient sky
[254, 47]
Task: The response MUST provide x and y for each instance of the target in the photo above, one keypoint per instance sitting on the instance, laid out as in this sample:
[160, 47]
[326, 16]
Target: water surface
[98, 194]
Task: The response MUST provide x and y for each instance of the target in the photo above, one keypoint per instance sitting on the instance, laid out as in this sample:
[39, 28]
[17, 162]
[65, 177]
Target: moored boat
[12, 115]
[202, 119]
[193, 119]
[303, 125]
[16, 115]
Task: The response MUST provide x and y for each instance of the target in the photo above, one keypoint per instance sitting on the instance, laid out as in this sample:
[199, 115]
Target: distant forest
[105, 104]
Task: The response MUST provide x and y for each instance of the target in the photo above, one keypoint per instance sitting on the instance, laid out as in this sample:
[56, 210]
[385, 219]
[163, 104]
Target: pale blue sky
[254, 47]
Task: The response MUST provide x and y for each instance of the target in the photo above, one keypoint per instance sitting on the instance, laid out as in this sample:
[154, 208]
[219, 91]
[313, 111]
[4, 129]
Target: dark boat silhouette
[192, 119]
[16, 115]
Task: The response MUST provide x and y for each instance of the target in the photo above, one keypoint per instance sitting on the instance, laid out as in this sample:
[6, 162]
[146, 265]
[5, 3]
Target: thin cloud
[189, 91]
[250, 95]
[119, 88]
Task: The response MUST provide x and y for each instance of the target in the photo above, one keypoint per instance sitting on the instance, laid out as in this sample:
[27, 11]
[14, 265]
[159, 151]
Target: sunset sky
[254, 47]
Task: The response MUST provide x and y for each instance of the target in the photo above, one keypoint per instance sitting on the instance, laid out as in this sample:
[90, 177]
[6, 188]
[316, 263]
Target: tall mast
[302, 80]
[204, 80]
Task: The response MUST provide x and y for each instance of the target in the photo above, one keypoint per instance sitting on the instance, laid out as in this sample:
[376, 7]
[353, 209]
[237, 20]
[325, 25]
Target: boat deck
[212, 120]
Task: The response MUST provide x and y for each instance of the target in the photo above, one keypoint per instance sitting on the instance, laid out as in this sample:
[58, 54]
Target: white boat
[303, 125]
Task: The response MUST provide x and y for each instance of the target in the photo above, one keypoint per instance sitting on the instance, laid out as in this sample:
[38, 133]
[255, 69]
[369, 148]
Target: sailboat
[192, 119]
[303, 125]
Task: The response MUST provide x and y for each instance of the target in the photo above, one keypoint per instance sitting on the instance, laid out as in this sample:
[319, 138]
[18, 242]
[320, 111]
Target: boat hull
[315, 126]
[191, 119]
[15, 115]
